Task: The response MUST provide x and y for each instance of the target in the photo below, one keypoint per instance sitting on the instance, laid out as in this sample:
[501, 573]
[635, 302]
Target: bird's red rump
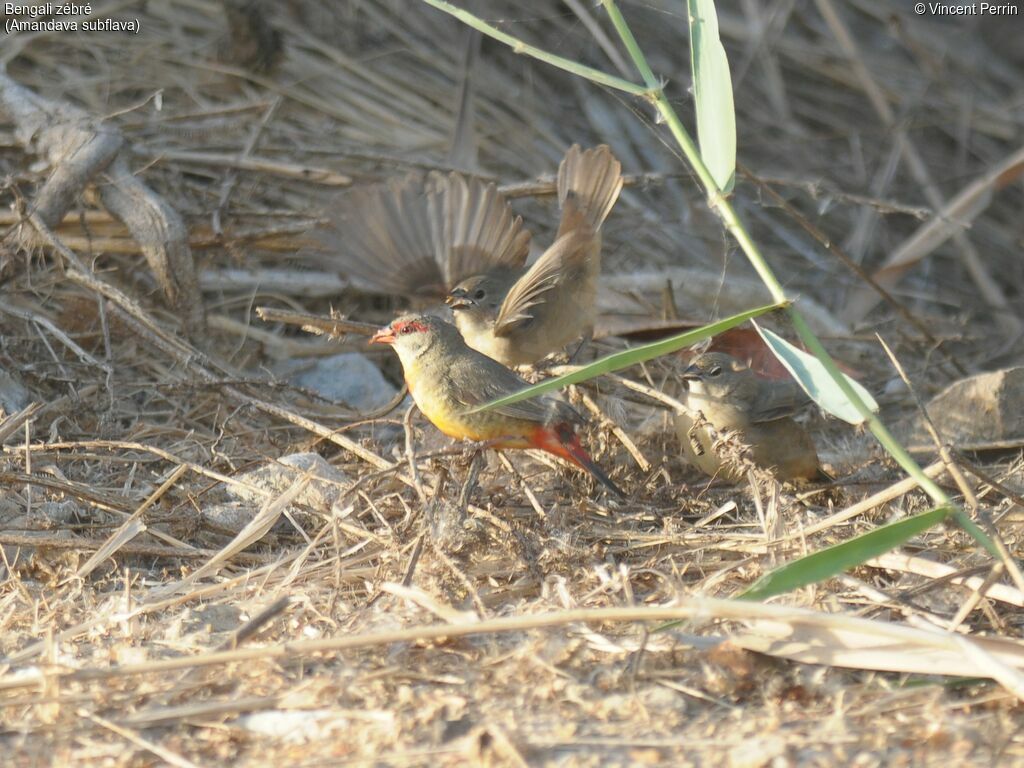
[560, 440]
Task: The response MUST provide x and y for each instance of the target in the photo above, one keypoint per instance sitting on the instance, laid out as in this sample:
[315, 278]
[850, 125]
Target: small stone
[57, 513]
[213, 618]
[322, 490]
[232, 516]
[986, 409]
[296, 727]
[13, 394]
[757, 751]
[660, 698]
[350, 379]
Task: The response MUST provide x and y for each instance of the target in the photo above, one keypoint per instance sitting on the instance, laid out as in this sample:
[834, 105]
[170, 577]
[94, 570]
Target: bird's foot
[587, 337]
[472, 450]
[534, 373]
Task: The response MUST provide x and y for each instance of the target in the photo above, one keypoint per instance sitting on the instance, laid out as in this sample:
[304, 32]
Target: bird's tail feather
[589, 182]
[568, 447]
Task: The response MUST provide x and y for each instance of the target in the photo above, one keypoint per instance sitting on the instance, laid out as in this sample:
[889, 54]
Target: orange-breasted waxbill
[518, 316]
[758, 411]
[447, 378]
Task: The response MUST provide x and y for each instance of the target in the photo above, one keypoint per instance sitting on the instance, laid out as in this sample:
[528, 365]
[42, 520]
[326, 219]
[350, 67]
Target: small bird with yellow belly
[758, 411]
[447, 378]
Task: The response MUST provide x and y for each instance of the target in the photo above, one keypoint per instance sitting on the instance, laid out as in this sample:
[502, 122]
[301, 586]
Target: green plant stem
[519, 46]
[630, 357]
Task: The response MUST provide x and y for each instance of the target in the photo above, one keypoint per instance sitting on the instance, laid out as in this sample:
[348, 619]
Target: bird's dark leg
[475, 465]
[410, 452]
[587, 337]
[450, 528]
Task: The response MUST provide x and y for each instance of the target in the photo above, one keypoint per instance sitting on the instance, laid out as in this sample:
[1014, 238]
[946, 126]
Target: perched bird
[436, 236]
[520, 316]
[734, 399]
[446, 378]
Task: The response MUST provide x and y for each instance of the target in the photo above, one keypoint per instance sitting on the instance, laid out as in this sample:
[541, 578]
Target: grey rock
[213, 618]
[59, 512]
[231, 516]
[13, 394]
[974, 412]
[350, 379]
[323, 489]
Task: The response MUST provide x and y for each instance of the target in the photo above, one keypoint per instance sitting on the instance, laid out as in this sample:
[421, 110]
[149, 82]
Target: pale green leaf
[712, 94]
[816, 381]
[828, 562]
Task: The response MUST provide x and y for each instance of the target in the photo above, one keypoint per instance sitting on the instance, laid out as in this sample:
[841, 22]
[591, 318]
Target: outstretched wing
[421, 236]
[478, 230]
[562, 263]
[383, 237]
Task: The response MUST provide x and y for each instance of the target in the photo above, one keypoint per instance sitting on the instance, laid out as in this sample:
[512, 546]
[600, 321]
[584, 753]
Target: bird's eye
[714, 370]
[480, 293]
[407, 329]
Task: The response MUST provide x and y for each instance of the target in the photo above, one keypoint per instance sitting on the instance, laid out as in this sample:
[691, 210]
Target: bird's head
[480, 295]
[715, 374]
[412, 335]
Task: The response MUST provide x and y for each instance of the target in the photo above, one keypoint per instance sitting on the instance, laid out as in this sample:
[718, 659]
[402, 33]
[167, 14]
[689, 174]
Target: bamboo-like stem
[519, 46]
[719, 203]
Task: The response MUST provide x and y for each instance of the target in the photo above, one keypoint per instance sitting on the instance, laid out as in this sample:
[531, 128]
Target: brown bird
[424, 236]
[447, 378]
[520, 316]
[758, 411]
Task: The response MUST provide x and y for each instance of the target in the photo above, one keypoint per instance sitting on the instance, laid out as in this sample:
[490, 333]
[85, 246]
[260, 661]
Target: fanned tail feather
[589, 182]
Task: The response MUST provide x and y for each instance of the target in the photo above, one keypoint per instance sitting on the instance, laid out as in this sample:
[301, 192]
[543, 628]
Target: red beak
[384, 336]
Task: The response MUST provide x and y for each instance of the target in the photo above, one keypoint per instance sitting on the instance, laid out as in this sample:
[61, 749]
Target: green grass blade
[836, 559]
[712, 94]
[629, 357]
[816, 380]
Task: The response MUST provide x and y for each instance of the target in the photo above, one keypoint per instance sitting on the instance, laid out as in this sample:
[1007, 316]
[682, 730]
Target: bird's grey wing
[479, 380]
[382, 238]
[562, 263]
[478, 230]
[589, 182]
[777, 400]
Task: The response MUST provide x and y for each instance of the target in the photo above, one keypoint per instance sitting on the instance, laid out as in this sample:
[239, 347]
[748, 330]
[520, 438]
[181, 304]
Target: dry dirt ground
[138, 626]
